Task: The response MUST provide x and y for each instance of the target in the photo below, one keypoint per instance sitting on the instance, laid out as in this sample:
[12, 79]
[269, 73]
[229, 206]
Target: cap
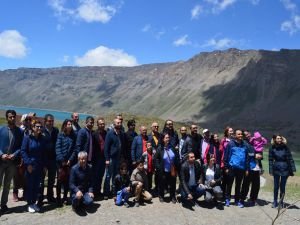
[24, 117]
[205, 130]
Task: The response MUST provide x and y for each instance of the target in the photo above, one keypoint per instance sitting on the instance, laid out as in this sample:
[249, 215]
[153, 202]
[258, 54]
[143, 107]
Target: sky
[55, 33]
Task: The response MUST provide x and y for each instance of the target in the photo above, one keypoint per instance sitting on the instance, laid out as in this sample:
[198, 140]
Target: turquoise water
[58, 115]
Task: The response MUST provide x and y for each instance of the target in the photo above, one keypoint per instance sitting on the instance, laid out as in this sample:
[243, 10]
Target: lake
[58, 115]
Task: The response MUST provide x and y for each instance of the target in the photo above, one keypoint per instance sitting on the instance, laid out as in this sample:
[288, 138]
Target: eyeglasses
[169, 123]
[38, 127]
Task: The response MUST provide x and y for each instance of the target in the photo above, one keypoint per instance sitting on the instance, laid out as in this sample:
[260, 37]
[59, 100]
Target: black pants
[149, 176]
[236, 175]
[253, 178]
[165, 179]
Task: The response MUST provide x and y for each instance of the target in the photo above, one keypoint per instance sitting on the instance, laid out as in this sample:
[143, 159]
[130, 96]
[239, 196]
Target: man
[98, 159]
[84, 141]
[81, 183]
[191, 176]
[183, 132]
[138, 146]
[115, 144]
[75, 122]
[119, 117]
[50, 132]
[130, 135]
[169, 128]
[204, 142]
[155, 136]
[139, 183]
[236, 164]
[10, 145]
[193, 143]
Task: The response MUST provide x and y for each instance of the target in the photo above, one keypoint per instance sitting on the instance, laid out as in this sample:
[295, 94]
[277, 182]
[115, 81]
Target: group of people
[141, 166]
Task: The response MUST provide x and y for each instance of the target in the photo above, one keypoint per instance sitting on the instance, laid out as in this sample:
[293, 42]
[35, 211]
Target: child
[148, 158]
[122, 186]
[258, 142]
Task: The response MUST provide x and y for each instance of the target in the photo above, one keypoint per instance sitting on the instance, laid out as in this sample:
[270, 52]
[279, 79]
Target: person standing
[139, 145]
[281, 166]
[130, 135]
[65, 158]
[98, 159]
[115, 144]
[193, 143]
[10, 144]
[75, 123]
[51, 133]
[34, 154]
[169, 128]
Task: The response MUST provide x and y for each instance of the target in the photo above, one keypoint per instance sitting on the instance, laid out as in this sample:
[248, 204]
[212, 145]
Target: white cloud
[220, 5]
[103, 56]
[289, 5]
[12, 44]
[196, 11]
[255, 2]
[292, 25]
[220, 44]
[182, 41]
[146, 28]
[86, 10]
[66, 59]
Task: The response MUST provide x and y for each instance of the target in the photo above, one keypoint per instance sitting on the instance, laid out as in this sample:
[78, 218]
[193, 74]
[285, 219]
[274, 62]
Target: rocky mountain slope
[249, 89]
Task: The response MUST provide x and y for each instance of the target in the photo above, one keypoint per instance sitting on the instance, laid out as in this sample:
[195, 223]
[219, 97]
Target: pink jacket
[258, 142]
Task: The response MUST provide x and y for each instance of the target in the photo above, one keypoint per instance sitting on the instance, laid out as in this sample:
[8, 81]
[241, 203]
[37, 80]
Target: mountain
[242, 88]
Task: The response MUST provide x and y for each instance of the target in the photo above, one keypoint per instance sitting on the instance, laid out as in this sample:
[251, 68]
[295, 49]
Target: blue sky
[54, 33]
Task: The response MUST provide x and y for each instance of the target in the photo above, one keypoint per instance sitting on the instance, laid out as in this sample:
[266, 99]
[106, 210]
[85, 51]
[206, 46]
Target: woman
[33, 153]
[213, 149]
[65, 157]
[212, 179]
[166, 160]
[281, 166]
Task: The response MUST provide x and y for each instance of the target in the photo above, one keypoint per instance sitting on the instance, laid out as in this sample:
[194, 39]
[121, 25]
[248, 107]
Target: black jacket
[120, 182]
[281, 161]
[193, 144]
[185, 175]
[97, 153]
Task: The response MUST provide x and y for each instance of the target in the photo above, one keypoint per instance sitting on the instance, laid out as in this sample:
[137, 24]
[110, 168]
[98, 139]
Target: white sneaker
[36, 208]
[31, 208]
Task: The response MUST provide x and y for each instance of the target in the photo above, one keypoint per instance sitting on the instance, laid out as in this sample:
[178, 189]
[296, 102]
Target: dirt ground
[105, 212]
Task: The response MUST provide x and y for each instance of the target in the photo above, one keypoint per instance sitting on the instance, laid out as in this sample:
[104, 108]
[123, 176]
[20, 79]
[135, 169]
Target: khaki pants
[140, 193]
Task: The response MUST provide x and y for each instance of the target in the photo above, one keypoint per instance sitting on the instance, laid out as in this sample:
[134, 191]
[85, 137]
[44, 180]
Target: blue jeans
[110, 173]
[279, 181]
[122, 194]
[86, 200]
[195, 190]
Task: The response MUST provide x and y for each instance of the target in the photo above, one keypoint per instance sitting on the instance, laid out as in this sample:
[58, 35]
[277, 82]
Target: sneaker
[105, 197]
[36, 208]
[227, 202]
[137, 204]
[126, 204]
[240, 204]
[31, 209]
[15, 197]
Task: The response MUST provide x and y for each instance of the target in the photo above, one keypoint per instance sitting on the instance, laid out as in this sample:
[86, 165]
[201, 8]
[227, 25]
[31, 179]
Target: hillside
[249, 89]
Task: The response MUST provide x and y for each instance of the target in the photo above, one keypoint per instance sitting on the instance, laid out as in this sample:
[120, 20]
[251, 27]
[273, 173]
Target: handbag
[173, 168]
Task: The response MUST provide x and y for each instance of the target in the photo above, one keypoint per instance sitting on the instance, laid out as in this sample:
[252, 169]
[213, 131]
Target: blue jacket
[81, 179]
[236, 155]
[115, 146]
[137, 148]
[33, 151]
[4, 141]
[65, 148]
[83, 140]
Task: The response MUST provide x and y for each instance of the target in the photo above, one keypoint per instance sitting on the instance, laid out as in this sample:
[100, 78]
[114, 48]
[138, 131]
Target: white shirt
[209, 176]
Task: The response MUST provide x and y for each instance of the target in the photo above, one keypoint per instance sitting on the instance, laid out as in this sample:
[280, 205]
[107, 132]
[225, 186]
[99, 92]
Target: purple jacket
[258, 142]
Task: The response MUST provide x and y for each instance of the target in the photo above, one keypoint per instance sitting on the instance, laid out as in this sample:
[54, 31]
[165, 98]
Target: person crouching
[122, 186]
[81, 183]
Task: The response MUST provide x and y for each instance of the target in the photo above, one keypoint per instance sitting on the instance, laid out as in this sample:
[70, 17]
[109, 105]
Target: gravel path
[105, 212]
